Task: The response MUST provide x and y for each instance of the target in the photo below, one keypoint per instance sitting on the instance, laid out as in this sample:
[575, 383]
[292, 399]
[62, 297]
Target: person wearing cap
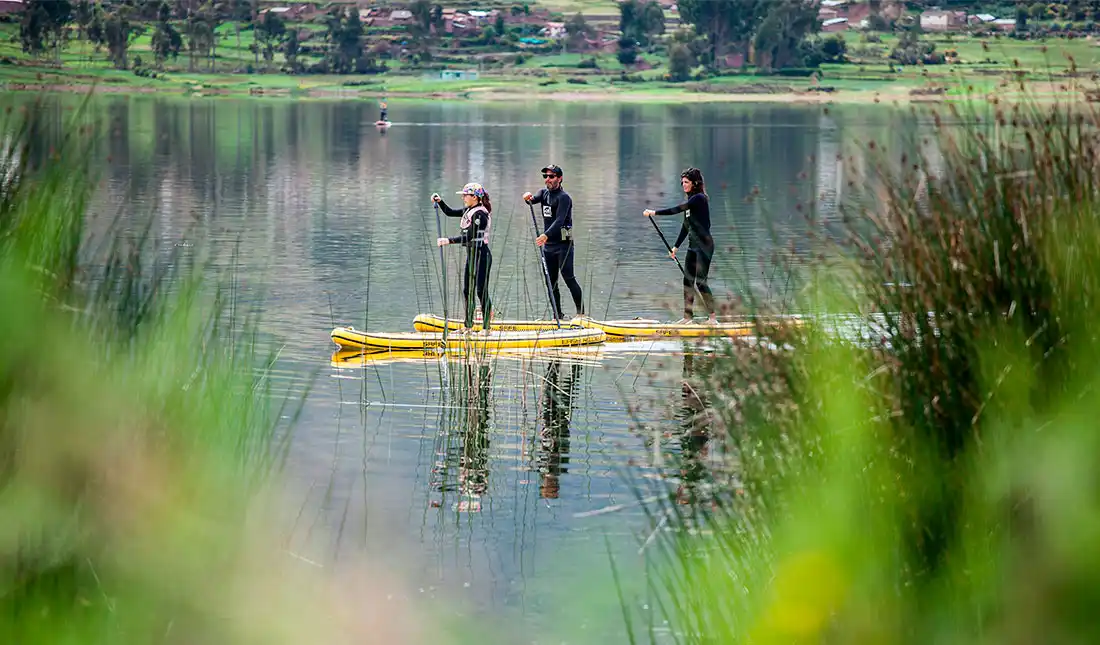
[476, 222]
[557, 236]
[696, 229]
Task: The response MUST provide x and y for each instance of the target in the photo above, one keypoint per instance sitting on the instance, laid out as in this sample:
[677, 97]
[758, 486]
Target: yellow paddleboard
[433, 323]
[629, 329]
[350, 337]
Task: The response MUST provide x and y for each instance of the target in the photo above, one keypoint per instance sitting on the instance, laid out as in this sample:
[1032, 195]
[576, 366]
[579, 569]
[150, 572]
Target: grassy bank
[936, 486]
[867, 74]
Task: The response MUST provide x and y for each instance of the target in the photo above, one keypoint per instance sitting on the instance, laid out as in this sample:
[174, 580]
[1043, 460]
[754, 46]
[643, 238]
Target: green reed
[933, 485]
[138, 426]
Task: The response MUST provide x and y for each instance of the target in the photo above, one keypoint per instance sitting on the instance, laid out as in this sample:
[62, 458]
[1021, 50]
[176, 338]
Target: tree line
[189, 27]
[779, 33]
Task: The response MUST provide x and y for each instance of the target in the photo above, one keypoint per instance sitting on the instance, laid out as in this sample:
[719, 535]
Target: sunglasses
[545, 176]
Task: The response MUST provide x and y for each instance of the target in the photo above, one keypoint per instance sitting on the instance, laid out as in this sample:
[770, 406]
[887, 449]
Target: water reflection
[696, 425]
[473, 462]
[553, 435]
[462, 464]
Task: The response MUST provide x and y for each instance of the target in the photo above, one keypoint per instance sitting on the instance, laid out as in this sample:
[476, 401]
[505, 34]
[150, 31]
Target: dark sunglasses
[545, 176]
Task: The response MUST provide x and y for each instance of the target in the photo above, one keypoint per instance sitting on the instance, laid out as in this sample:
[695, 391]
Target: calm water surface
[477, 483]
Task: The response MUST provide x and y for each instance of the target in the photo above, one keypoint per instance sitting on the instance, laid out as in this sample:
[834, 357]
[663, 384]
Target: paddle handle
[545, 270]
[667, 246]
[442, 270]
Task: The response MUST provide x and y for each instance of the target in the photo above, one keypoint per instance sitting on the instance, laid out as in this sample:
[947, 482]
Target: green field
[981, 65]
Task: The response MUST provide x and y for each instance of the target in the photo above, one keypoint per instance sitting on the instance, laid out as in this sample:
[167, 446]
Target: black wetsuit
[476, 222]
[557, 225]
[696, 230]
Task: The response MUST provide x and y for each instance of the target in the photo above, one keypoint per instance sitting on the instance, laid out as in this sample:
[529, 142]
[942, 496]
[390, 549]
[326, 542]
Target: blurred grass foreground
[136, 433]
[939, 485]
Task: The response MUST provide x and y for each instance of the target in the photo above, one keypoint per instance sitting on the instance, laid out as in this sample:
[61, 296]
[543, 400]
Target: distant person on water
[385, 110]
[696, 229]
[557, 236]
[476, 222]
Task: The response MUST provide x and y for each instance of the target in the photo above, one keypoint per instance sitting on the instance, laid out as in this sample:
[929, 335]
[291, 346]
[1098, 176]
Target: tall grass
[938, 486]
[137, 424]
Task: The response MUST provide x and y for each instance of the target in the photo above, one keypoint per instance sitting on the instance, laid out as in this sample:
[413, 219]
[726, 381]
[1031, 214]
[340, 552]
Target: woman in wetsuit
[476, 221]
[696, 229]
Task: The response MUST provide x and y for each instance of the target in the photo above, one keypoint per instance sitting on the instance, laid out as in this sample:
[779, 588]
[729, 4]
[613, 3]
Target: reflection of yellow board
[360, 357]
[433, 323]
[491, 340]
[623, 329]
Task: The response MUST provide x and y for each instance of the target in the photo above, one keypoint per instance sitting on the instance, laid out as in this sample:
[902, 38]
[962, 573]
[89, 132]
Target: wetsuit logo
[546, 212]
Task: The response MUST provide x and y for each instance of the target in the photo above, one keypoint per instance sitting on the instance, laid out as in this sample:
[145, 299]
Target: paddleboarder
[696, 230]
[384, 112]
[476, 223]
[557, 236]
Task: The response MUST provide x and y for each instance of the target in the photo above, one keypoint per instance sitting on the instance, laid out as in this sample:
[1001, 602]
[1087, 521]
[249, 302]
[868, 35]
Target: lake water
[477, 484]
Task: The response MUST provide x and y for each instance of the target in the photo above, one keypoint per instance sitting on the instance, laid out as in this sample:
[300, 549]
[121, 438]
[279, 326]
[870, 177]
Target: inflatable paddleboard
[383, 124]
[630, 329]
[350, 337]
[433, 323]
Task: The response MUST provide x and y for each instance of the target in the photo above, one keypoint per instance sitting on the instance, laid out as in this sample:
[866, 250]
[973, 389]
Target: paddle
[667, 245]
[545, 270]
[443, 271]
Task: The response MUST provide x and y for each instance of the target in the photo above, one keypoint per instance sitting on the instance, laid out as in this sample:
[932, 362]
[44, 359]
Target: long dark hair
[696, 177]
[484, 201]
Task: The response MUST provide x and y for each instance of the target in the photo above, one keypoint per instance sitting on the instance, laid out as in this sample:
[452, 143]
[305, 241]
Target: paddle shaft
[667, 246]
[442, 270]
[545, 270]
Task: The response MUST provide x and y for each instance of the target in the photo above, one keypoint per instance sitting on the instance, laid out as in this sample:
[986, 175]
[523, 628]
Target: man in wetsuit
[557, 236]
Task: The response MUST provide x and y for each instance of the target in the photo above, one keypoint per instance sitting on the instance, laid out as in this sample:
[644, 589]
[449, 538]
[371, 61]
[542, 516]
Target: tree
[576, 30]
[200, 29]
[727, 24]
[166, 41]
[115, 28]
[84, 13]
[345, 39]
[641, 19]
[781, 34]
[290, 50]
[269, 35]
[628, 53]
[910, 50]
[834, 49]
[680, 62]
[43, 26]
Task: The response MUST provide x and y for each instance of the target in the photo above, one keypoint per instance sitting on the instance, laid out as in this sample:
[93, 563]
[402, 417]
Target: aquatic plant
[138, 433]
[935, 486]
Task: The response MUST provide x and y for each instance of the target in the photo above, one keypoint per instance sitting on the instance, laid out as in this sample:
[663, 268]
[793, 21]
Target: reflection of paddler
[473, 462]
[694, 440]
[553, 439]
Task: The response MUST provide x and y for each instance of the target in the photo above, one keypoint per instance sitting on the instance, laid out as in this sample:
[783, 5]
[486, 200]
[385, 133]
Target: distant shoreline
[572, 96]
[519, 88]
